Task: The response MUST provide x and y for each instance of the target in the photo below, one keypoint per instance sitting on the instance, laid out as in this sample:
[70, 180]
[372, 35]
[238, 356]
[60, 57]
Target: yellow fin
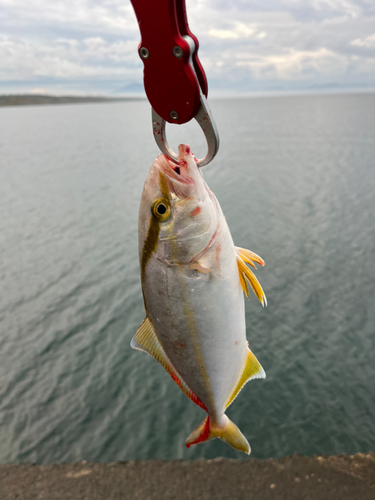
[249, 257]
[146, 340]
[252, 369]
[246, 275]
[229, 432]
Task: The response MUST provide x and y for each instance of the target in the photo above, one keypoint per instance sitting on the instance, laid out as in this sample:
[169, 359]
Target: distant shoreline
[295, 478]
[37, 100]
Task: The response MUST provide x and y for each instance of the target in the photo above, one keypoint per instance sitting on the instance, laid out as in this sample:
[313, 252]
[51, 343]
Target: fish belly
[200, 321]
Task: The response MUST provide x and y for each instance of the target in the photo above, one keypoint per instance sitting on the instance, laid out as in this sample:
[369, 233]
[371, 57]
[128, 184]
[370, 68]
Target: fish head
[179, 215]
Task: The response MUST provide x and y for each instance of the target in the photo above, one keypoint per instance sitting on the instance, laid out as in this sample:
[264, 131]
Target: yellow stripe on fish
[151, 241]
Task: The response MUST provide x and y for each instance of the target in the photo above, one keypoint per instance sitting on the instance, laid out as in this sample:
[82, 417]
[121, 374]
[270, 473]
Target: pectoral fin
[199, 268]
[252, 369]
[247, 276]
[146, 340]
[249, 257]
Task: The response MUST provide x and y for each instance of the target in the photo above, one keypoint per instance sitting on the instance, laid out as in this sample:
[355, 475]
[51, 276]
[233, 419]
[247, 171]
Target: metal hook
[204, 118]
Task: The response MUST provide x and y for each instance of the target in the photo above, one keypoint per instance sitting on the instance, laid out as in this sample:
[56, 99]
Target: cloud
[368, 41]
[113, 16]
[65, 59]
[245, 45]
[239, 30]
[296, 65]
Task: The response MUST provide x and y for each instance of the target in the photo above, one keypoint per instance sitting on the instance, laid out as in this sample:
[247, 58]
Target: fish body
[193, 278]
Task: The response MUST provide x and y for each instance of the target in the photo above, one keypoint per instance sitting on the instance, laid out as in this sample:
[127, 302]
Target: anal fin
[252, 369]
[146, 340]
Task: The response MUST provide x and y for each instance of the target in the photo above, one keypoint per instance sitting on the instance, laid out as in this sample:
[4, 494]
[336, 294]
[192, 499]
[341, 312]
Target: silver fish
[192, 281]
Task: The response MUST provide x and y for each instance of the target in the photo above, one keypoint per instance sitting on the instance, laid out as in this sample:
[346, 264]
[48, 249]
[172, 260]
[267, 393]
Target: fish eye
[161, 209]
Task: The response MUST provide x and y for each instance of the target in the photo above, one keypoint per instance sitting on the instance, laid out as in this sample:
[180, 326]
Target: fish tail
[228, 432]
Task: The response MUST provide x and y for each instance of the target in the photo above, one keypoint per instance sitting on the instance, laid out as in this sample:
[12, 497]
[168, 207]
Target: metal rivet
[173, 115]
[144, 53]
[178, 52]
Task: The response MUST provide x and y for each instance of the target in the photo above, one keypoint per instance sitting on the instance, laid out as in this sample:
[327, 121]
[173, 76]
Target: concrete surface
[291, 478]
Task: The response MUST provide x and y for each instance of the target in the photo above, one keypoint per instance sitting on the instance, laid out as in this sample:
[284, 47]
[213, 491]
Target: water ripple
[298, 191]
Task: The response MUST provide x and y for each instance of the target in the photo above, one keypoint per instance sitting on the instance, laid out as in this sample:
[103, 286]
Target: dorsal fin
[146, 340]
[252, 369]
[247, 276]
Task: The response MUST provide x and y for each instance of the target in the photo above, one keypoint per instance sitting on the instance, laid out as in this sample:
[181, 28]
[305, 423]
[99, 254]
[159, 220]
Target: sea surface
[295, 177]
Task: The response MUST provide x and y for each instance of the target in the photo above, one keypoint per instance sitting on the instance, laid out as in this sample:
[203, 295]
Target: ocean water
[295, 177]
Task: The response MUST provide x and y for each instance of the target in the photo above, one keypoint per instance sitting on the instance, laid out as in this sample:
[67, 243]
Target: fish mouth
[175, 172]
[183, 177]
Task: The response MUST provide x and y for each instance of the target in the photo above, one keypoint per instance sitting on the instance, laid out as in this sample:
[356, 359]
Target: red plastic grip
[170, 83]
[184, 30]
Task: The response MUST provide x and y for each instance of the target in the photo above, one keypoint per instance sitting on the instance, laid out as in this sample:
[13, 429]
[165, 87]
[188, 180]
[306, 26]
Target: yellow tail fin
[229, 432]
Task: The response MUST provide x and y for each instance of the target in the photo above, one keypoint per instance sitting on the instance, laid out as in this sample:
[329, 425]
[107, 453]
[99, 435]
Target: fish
[193, 281]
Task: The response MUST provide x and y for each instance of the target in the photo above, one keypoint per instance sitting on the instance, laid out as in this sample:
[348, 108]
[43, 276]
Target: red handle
[184, 29]
[171, 84]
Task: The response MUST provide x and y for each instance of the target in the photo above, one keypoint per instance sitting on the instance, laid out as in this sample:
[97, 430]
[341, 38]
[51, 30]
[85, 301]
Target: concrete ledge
[290, 478]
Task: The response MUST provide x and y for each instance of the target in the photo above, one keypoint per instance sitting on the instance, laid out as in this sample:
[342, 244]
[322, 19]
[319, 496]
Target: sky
[89, 47]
